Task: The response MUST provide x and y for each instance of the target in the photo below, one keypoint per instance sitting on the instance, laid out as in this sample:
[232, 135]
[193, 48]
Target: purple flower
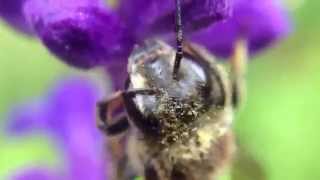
[37, 174]
[87, 33]
[146, 18]
[260, 22]
[82, 33]
[67, 114]
[11, 12]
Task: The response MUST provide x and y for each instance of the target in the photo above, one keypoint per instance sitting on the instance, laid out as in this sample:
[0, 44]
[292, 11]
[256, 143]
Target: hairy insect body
[179, 107]
[185, 130]
[205, 152]
[177, 125]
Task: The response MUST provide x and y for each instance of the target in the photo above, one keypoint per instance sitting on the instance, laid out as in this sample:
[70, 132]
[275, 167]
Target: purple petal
[83, 165]
[26, 118]
[36, 174]
[72, 107]
[262, 22]
[69, 105]
[68, 114]
[118, 74]
[147, 18]
[11, 12]
[81, 33]
[73, 113]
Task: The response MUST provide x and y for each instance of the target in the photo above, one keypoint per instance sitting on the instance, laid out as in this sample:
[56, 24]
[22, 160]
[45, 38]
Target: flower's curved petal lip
[261, 22]
[11, 12]
[82, 141]
[82, 33]
[26, 118]
[68, 114]
[66, 110]
[147, 18]
[72, 107]
[83, 164]
[36, 174]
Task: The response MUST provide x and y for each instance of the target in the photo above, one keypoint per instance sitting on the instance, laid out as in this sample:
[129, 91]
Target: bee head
[151, 66]
[179, 102]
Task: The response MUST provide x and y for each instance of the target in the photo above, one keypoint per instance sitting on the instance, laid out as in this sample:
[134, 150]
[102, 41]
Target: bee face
[151, 66]
[180, 122]
[179, 110]
[175, 110]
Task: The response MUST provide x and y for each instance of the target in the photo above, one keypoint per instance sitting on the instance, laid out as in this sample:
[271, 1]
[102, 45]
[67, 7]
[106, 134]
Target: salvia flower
[67, 115]
[260, 22]
[82, 33]
[37, 174]
[87, 33]
[147, 18]
[11, 12]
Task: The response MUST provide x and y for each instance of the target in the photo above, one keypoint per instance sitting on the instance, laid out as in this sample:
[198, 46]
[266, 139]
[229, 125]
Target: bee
[179, 106]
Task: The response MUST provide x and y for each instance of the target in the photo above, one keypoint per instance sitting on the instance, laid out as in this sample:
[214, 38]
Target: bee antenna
[179, 38]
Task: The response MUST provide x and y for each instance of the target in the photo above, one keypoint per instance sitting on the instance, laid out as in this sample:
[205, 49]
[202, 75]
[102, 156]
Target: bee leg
[124, 170]
[238, 71]
[119, 123]
[113, 127]
[177, 174]
[150, 172]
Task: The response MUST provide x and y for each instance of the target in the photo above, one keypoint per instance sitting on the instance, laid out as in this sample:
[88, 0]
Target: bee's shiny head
[151, 66]
[179, 101]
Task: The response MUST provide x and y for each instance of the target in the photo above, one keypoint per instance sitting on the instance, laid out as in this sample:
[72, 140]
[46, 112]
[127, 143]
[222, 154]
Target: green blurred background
[277, 130]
